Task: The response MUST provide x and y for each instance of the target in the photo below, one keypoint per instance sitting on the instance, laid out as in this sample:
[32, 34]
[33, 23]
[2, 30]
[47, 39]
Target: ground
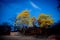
[18, 36]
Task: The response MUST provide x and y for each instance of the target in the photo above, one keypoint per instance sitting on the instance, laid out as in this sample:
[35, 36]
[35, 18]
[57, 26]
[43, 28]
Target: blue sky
[11, 8]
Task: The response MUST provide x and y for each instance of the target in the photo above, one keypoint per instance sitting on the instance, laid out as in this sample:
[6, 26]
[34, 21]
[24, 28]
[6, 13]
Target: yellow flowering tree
[23, 17]
[30, 22]
[45, 20]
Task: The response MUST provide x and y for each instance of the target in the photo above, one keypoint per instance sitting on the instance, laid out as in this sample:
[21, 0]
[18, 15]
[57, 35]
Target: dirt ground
[18, 36]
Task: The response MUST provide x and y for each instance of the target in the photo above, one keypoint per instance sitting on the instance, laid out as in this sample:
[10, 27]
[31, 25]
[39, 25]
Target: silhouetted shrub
[55, 29]
[5, 29]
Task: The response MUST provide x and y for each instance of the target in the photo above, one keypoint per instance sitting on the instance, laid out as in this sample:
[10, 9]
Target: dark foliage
[55, 30]
[5, 29]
